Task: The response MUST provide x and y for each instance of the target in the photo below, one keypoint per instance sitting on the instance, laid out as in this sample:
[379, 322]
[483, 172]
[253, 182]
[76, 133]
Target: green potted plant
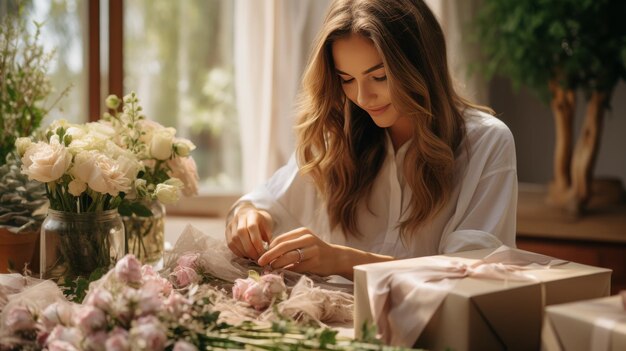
[24, 89]
[557, 48]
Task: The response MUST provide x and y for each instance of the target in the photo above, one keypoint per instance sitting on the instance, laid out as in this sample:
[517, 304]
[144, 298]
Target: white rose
[162, 143]
[46, 162]
[184, 147]
[77, 187]
[104, 174]
[22, 144]
[166, 194]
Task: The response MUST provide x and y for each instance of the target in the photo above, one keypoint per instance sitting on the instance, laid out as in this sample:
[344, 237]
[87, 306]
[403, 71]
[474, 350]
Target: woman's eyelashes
[350, 80]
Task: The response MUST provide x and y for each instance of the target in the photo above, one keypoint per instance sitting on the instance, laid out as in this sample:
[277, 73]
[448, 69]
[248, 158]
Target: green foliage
[24, 84]
[579, 43]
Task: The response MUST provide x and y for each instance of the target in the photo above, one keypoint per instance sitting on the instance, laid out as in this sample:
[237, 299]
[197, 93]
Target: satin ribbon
[403, 301]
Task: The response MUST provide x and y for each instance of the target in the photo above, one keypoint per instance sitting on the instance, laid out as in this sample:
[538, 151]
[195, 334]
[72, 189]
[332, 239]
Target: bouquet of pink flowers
[132, 307]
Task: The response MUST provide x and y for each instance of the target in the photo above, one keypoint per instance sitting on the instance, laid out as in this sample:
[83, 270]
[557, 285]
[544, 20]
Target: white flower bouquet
[120, 163]
[113, 163]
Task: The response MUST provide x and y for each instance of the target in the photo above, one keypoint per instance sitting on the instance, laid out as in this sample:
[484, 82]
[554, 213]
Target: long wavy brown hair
[338, 143]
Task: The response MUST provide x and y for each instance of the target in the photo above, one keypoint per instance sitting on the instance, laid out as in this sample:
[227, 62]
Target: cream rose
[46, 162]
[183, 147]
[167, 193]
[76, 187]
[162, 143]
[104, 174]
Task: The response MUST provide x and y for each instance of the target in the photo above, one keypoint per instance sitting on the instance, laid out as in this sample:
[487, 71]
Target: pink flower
[95, 341]
[176, 304]
[188, 260]
[259, 294]
[149, 302]
[184, 168]
[148, 272]
[240, 287]
[184, 276]
[100, 298]
[89, 319]
[117, 340]
[147, 333]
[60, 345]
[157, 286]
[64, 336]
[128, 269]
[20, 318]
[182, 345]
[273, 285]
[56, 313]
[256, 298]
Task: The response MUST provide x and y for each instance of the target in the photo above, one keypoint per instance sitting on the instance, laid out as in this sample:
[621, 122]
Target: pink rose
[147, 333]
[95, 341]
[188, 260]
[100, 298]
[117, 340]
[20, 318]
[184, 276]
[273, 285]
[56, 313]
[64, 335]
[256, 298]
[60, 345]
[149, 302]
[156, 286]
[184, 168]
[240, 287]
[89, 319]
[182, 345]
[128, 269]
[176, 304]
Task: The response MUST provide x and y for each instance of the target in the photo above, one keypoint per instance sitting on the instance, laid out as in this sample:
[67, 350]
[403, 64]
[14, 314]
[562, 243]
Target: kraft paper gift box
[598, 324]
[469, 313]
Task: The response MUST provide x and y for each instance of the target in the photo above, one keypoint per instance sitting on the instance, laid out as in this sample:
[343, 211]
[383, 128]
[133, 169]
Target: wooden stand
[597, 238]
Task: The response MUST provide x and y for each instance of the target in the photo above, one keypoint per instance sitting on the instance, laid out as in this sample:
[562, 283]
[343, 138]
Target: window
[64, 25]
[176, 55]
[178, 58]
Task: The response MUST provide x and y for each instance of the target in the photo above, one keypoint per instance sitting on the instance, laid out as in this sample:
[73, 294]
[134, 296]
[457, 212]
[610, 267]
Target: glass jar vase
[78, 244]
[145, 236]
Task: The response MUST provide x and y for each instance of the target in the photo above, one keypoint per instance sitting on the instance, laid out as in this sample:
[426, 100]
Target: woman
[390, 161]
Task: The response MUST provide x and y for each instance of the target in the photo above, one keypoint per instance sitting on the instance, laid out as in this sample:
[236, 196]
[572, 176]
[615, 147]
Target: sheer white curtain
[272, 43]
[455, 18]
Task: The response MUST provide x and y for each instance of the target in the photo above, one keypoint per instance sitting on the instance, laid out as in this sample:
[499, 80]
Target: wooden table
[598, 238]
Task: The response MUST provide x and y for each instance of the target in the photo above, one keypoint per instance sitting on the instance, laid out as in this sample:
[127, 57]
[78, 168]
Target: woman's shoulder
[482, 127]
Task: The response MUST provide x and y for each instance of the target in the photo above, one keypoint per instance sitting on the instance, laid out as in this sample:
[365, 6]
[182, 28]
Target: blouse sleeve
[290, 198]
[485, 214]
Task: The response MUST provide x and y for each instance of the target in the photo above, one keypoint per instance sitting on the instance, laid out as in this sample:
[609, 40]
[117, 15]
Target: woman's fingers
[283, 247]
[246, 233]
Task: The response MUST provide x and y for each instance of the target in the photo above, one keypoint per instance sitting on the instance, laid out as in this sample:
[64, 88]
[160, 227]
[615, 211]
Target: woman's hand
[302, 251]
[247, 230]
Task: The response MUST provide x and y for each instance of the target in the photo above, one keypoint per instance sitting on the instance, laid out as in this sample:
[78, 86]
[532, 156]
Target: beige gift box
[477, 313]
[598, 324]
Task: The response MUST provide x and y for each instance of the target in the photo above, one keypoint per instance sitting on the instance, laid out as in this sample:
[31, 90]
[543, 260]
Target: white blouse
[480, 213]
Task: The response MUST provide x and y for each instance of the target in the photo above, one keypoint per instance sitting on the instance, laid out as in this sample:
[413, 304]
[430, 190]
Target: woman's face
[363, 77]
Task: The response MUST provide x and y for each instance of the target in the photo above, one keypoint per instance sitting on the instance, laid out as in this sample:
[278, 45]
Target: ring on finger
[300, 256]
